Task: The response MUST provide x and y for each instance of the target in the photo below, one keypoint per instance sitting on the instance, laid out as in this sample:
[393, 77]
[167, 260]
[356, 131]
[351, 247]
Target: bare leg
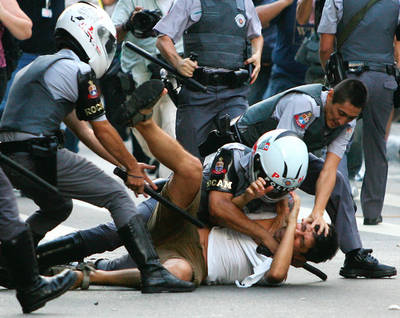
[131, 277]
[187, 169]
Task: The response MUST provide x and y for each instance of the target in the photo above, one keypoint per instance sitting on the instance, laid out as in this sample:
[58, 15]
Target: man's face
[339, 114]
[303, 237]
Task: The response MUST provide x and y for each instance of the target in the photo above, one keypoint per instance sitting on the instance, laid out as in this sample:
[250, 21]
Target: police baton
[31, 176]
[187, 80]
[155, 195]
[262, 249]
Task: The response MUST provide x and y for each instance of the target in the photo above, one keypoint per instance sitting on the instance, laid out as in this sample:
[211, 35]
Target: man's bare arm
[284, 254]
[303, 11]
[15, 20]
[269, 11]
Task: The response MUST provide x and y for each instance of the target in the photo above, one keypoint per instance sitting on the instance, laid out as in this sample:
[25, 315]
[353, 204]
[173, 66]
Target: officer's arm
[255, 59]
[225, 213]
[326, 47]
[167, 49]
[324, 187]
[85, 134]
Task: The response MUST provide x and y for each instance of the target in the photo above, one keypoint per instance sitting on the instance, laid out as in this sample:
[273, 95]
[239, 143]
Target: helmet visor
[108, 42]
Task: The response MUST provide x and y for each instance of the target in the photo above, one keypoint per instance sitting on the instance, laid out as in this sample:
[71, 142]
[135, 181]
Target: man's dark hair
[325, 246]
[351, 90]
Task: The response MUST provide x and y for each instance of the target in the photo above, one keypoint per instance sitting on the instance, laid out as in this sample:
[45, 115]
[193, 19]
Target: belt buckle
[356, 67]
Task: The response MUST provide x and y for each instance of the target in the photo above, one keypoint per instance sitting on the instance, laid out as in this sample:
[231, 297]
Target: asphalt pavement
[303, 295]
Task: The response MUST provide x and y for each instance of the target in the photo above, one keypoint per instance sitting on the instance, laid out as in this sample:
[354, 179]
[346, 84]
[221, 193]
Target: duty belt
[359, 67]
[29, 144]
[216, 78]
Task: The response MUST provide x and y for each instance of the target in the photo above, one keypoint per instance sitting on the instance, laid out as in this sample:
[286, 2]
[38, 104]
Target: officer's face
[339, 114]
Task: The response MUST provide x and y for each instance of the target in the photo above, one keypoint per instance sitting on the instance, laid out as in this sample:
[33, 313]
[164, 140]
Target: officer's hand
[136, 179]
[255, 59]
[318, 223]
[186, 67]
[257, 189]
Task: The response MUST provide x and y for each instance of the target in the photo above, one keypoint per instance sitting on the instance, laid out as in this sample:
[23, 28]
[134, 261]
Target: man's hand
[136, 178]
[282, 212]
[318, 220]
[186, 67]
[294, 212]
[128, 26]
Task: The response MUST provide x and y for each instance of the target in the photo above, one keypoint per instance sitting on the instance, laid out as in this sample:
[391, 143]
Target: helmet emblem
[266, 146]
[287, 182]
[275, 175]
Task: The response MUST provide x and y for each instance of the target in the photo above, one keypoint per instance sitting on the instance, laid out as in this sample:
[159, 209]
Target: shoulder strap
[353, 23]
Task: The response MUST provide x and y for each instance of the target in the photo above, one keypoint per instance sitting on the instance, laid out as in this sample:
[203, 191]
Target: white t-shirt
[232, 258]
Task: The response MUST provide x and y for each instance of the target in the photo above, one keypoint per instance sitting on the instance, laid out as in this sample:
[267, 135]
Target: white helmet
[88, 28]
[281, 158]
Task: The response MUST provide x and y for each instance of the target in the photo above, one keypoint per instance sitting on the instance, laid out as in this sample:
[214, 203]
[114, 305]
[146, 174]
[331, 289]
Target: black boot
[62, 250]
[154, 277]
[33, 291]
[5, 279]
[361, 263]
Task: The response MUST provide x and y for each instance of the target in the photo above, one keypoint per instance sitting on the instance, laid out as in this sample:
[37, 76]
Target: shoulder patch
[302, 119]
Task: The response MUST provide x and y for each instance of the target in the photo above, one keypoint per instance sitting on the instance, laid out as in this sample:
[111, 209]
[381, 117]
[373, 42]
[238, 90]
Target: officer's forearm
[113, 143]
[85, 134]
[225, 213]
[326, 47]
[167, 49]
[257, 45]
[324, 187]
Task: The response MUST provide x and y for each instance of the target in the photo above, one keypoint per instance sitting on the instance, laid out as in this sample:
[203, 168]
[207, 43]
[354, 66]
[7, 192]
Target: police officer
[217, 31]
[368, 55]
[33, 291]
[321, 118]
[62, 87]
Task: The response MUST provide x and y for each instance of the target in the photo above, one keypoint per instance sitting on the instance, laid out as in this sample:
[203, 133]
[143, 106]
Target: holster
[335, 69]
[43, 153]
[44, 156]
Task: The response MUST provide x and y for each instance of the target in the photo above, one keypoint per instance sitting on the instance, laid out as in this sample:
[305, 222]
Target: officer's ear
[330, 93]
